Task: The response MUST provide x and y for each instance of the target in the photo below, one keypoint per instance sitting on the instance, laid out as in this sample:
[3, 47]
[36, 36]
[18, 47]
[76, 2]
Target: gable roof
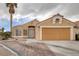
[69, 20]
[54, 16]
[58, 15]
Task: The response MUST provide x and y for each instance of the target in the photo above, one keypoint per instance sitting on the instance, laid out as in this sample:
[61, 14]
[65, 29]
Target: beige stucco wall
[49, 22]
[14, 30]
[22, 27]
[76, 30]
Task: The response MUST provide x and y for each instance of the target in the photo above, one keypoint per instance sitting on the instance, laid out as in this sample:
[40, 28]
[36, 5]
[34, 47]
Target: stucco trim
[71, 30]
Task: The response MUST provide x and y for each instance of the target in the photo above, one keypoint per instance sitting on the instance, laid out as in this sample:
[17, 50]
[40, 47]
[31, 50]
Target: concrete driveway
[67, 48]
[23, 48]
[39, 48]
[62, 48]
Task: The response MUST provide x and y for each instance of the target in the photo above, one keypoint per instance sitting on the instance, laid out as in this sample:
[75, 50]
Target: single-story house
[55, 28]
[77, 27]
[26, 30]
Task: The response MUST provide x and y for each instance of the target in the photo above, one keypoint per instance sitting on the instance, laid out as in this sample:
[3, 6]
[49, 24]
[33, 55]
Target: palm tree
[11, 7]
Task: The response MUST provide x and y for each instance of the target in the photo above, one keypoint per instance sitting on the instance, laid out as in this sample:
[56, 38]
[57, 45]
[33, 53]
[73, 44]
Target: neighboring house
[26, 30]
[77, 27]
[55, 28]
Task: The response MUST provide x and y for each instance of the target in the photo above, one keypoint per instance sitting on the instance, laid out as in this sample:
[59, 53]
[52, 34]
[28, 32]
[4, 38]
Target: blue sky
[6, 22]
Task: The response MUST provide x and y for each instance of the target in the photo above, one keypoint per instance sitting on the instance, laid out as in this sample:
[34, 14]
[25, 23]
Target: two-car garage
[56, 28]
[56, 33]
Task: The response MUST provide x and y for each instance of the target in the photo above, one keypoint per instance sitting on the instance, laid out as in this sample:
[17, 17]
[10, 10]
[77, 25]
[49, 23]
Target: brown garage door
[55, 34]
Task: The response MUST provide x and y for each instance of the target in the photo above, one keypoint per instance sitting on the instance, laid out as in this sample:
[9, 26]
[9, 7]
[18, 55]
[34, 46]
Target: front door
[31, 32]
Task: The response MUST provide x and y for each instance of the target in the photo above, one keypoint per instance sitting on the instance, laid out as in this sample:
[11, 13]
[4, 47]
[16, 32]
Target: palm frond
[15, 4]
[7, 4]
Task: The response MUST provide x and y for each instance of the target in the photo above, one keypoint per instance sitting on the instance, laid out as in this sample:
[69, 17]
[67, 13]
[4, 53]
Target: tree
[11, 7]
[2, 29]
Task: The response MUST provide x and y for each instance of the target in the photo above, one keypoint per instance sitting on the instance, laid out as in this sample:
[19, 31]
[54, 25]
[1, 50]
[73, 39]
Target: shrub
[5, 35]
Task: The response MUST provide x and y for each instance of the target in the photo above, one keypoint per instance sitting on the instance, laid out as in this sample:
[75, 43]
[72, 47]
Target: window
[24, 32]
[18, 32]
[57, 20]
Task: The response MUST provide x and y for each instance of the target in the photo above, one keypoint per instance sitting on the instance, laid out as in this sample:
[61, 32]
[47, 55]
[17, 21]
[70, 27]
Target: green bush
[5, 35]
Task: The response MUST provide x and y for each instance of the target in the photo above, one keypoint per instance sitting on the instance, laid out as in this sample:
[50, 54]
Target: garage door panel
[56, 33]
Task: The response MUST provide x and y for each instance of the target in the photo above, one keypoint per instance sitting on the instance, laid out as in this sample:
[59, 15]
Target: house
[25, 30]
[77, 27]
[55, 28]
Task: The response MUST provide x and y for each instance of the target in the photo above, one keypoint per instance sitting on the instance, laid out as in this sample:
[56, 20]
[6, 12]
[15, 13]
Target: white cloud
[42, 11]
